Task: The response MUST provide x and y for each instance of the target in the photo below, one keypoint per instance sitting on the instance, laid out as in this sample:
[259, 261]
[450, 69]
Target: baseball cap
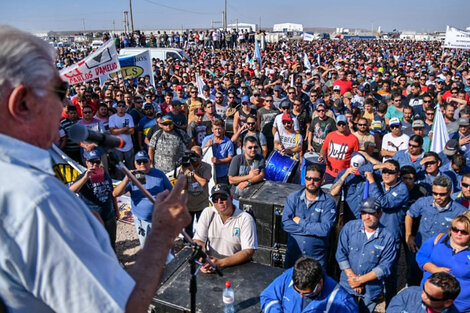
[286, 117]
[148, 105]
[92, 155]
[199, 111]
[357, 160]
[285, 104]
[370, 205]
[166, 119]
[141, 155]
[341, 118]
[245, 99]
[463, 121]
[277, 88]
[179, 87]
[223, 189]
[394, 121]
[348, 95]
[336, 87]
[445, 68]
[451, 147]
[417, 123]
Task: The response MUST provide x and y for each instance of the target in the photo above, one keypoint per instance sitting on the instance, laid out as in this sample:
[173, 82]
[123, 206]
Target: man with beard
[320, 127]
[366, 253]
[145, 124]
[267, 115]
[249, 129]
[309, 215]
[436, 295]
[288, 142]
[463, 197]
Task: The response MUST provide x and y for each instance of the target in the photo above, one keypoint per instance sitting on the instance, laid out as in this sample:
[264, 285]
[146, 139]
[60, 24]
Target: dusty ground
[128, 247]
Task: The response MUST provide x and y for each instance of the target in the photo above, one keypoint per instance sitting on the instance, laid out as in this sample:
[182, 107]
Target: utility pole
[114, 26]
[225, 16]
[83, 22]
[260, 23]
[126, 24]
[237, 24]
[132, 17]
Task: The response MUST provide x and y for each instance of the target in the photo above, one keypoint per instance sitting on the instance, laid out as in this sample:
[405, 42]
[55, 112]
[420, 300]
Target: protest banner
[456, 38]
[132, 67]
[308, 37]
[101, 62]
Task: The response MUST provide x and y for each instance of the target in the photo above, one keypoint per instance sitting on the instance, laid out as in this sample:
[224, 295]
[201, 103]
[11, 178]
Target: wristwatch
[248, 183]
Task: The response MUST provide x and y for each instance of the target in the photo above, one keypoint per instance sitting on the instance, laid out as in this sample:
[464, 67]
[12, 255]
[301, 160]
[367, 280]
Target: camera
[189, 157]
[140, 177]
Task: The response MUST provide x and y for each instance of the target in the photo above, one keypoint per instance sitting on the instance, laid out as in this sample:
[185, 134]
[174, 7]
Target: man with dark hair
[413, 155]
[246, 168]
[463, 197]
[309, 215]
[455, 170]
[436, 213]
[429, 169]
[437, 295]
[306, 288]
[71, 148]
[362, 270]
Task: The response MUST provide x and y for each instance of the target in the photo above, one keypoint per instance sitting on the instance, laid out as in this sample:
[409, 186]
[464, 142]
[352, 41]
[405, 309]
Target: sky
[404, 15]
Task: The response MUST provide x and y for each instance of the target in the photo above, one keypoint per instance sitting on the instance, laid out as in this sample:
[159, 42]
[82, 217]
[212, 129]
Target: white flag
[258, 54]
[200, 84]
[308, 37]
[456, 38]
[440, 136]
[307, 62]
[101, 62]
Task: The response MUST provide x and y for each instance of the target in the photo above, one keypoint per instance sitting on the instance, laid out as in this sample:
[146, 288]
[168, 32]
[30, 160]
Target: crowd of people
[357, 114]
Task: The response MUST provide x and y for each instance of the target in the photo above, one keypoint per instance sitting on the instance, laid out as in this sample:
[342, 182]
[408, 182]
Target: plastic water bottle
[228, 297]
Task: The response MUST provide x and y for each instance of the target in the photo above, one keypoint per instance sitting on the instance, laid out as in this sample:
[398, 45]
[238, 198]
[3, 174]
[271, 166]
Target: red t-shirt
[338, 149]
[346, 85]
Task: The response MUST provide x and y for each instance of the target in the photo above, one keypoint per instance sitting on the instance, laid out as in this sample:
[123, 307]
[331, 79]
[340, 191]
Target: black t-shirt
[320, 128]
[241, 167]
[98, 194]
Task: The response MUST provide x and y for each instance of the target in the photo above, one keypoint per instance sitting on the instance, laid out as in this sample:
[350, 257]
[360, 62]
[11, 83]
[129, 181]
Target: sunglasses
[167, 124]
[251, 124]
[341, 124]
[426, 101]
[87, 112]
[286, 123]
[320, 111]
[221, 197]
[268, 100]
[440, 194]
[95, 161]
[413, 146]
[461, 231]
[315, 179]
[362, 125]
[252, 147]
[141, 161]
[464, 185]
[431, 297]
[430, 163]
[394, 126]
[121, 106]
[390, 172]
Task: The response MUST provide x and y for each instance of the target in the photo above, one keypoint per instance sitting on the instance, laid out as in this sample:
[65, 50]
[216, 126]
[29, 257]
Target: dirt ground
[128, 247]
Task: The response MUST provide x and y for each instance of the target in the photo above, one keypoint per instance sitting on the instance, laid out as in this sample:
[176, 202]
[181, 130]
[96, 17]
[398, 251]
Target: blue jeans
[143, 227]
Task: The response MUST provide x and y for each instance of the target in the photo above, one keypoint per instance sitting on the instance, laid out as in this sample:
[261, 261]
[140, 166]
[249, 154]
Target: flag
[439, 132]
[258, 54]
[318, 58]
[308, 37]
[200, 84]
[307, 62]
[133, 66]
[247, 59]
[292, 80]
[101, 62]
[456, 38]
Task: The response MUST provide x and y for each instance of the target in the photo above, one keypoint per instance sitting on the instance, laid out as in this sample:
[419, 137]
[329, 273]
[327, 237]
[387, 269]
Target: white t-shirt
[289, 141]
[280, 127]
[116, 121]
[391, 143]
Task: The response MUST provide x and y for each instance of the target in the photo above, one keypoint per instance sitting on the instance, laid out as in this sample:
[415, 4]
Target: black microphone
[79, 133]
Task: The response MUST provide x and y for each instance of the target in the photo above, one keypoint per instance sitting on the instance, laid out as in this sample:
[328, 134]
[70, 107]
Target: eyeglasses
[394, 126]
[286, 122]
[440, 194]
[362, 125]
[390, 172]
[429, 113]
[291, 93]
[121, 106]
[431, 297]
[320, 111]
[307, 295]
[461, 231]
[413, 146]
[268, 100]
[427, 101]
[464, 185]
[140, 162]
[148, 96]
[315, 179]
[95, 161]
[251, 124]
[397, 100]
[252, 147]
[221, 197]
[430, 163]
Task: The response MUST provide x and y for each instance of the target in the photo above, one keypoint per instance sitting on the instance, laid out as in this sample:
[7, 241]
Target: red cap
[227, 284]
[179, 87]
[199, 111]
[286, 117]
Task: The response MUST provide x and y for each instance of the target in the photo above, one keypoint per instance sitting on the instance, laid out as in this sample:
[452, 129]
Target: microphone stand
[198, 256]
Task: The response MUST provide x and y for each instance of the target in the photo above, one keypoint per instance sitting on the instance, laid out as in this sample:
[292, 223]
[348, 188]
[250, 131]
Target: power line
[181, 10]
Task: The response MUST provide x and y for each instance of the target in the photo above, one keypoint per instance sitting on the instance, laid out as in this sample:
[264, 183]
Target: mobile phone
[97, 175]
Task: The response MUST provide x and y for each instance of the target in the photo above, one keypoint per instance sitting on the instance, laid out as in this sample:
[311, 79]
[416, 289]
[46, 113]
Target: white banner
[101, 62]
[457, 38]
[308, 37]
[133, 67]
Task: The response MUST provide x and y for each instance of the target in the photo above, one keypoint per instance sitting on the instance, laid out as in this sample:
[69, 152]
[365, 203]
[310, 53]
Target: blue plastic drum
[279, 167]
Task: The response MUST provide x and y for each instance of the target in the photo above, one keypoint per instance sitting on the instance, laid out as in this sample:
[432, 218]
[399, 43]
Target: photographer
[95, 188]
[198, 174]
[155, 181]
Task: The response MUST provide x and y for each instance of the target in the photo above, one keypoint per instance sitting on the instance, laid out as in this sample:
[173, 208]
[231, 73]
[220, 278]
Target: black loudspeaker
[266, 202]
[272, 256]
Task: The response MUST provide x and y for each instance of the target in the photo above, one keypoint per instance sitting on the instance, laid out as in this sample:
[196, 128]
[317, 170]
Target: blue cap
[341, 118]
[166, 118]
[92, 155]
[141, 155]
[440, 80]
[245, 99]
[445, 68]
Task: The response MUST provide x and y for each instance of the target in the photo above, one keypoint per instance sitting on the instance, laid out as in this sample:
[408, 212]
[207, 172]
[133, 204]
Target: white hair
[24, 59]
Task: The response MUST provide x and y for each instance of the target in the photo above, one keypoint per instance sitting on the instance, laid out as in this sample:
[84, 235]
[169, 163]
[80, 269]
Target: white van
[157, 53]
[96, 44]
